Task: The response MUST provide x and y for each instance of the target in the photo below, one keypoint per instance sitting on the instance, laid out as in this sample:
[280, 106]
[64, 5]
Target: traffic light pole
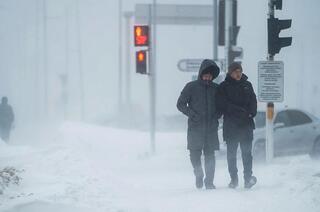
[120, 69]
[270, 109]
[215, 29]
[80, 63]
[128, 16]
[152, 74]
[228, 24]
[45, 58]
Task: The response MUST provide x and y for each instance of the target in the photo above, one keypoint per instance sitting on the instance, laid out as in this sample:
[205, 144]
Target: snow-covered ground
[82, 167]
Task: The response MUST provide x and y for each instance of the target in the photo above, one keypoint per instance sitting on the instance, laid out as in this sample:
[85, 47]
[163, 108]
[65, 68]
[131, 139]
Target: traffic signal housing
[277, 4]
[141, 62]
[234, 31]
[235, 54]
[141, 35]
[275, 43]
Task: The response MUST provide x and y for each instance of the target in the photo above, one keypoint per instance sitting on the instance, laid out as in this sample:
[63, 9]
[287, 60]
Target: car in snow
[295, 132]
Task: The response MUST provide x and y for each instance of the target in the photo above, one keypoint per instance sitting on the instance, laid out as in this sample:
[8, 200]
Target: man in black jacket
[197, 101]
[237, 101]
[6, 119]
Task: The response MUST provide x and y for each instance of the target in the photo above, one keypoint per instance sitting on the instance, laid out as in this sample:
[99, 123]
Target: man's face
[207, 77]
[236, 74]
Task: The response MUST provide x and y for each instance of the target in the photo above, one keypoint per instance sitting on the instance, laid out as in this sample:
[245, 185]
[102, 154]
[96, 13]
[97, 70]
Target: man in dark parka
[237, 101]
[6, 119]
[197, 102]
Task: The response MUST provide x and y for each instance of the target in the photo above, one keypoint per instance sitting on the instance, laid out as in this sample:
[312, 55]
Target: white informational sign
[189, 65]
[177, 14]
[193, 65]
[271, 81]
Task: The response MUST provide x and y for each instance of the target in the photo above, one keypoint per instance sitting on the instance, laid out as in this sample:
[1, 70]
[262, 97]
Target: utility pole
[270, 108]
[215, 29]
[145, 36]
[152, 74]
[45, 57]
[128, 16]
[65, 81]
[275, 43]
[120, 56]
[22, 66]
[228, 24]
[80, 67]
[37, 59]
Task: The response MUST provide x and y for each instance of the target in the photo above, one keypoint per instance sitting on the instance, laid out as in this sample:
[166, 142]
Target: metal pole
[128, 16]
[269, 131]
[270, 15]
[215, 29]
[152, 74]
[45, 57]
[120, 56]
[228, 23]
[81, 78]
[23, 77]
[37, 60]
[270, 110]
[65, 88]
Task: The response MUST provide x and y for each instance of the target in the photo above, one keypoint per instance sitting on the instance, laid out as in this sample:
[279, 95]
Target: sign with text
[271, 81]
[193, 65]
[189, 65]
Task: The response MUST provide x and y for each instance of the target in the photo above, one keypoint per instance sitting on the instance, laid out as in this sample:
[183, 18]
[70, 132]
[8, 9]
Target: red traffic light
[141, 35]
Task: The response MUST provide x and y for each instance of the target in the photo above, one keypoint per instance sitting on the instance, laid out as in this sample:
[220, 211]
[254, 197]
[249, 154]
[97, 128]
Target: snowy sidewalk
[92, 168]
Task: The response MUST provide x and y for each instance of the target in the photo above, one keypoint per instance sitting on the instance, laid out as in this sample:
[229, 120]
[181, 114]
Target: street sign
[271, 81]
[189, 65]
[193, 65]
[173, 14]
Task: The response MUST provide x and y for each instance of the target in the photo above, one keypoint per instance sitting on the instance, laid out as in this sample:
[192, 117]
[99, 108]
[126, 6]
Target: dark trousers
[246, 153]
[209, 163]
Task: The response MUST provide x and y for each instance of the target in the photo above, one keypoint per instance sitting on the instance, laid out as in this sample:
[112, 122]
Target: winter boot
[199, 182]
[234, 183]
[209, 184]
[198, 172]
[250, 182]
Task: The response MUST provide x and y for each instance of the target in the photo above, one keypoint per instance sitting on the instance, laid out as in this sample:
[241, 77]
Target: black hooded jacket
[237, 102]
[198, 101]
